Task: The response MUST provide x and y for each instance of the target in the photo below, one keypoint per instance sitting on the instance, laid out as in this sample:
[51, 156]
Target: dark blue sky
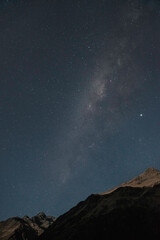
[79, 99]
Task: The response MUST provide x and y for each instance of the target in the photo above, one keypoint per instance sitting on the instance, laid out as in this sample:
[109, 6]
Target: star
[141, 114]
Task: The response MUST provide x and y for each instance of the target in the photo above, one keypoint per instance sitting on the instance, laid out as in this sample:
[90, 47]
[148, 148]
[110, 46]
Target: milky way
[111, 90]
[80, 99]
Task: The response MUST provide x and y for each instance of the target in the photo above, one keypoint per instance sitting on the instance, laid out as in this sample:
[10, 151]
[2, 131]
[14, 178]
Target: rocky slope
[40, 222]
[130, 211]
[25, 228]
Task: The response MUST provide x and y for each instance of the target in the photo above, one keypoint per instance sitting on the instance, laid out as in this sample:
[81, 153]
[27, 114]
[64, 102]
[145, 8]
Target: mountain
[40, 222]
[25, 228]
[129, 211]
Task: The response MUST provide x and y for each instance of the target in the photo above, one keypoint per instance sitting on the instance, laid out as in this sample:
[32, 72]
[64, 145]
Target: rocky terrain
[40, 222]
[25, 228]
[129, 211]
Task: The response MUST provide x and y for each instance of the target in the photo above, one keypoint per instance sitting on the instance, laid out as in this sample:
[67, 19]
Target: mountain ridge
[25, 228]
[129, 211]
[149, 178]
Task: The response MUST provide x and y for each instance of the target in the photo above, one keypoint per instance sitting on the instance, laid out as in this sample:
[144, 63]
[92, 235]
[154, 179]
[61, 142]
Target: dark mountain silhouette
[130, 211]
[25, 228]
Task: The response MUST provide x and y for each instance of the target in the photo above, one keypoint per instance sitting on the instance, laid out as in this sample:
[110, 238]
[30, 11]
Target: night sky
[79, 99]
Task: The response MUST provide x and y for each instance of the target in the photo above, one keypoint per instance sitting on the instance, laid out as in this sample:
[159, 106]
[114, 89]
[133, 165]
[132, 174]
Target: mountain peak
[149, 178]
[152, 170]
[41, 215]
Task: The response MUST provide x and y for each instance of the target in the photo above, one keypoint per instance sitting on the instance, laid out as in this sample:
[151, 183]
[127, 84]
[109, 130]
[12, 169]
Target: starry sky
[79, 99]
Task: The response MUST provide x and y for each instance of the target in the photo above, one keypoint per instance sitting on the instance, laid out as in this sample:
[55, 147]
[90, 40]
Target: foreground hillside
[130, 211]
